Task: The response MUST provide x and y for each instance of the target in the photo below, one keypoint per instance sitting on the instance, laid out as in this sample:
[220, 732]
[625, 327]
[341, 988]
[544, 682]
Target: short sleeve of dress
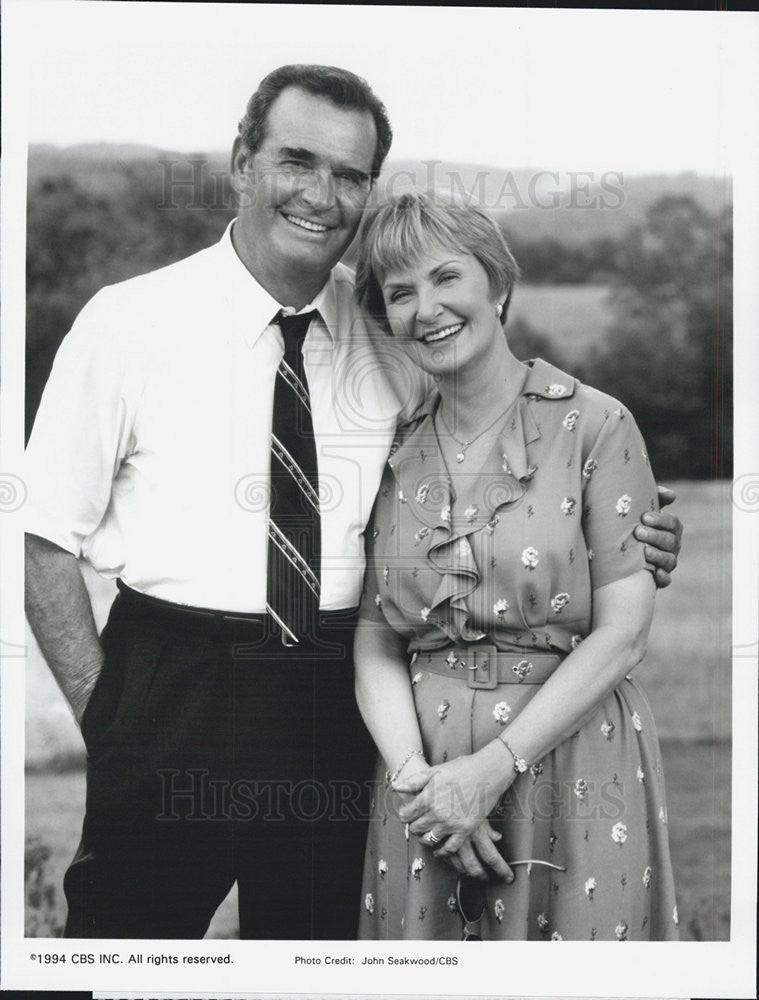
[618, 488]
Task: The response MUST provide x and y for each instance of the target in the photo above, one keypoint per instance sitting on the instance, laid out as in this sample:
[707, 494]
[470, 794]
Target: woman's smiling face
[442, 309]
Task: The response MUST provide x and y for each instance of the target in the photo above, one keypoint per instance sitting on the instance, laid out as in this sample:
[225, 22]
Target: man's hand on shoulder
[663, 535]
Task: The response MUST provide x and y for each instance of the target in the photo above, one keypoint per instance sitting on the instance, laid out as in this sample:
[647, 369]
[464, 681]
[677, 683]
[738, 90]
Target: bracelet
[520, 764]
[412, 753]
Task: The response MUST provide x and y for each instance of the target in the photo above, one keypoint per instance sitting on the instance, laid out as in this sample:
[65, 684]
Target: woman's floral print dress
[512, 561]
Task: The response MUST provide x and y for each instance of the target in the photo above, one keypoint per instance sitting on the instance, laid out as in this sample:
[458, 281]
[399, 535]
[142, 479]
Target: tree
[669, 352]
[82, 235]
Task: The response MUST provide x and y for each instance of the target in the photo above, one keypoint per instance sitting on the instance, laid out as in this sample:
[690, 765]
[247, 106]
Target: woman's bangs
[406, 236]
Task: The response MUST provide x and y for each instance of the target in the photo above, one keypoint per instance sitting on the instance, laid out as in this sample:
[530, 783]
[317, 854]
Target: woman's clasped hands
[448, 805]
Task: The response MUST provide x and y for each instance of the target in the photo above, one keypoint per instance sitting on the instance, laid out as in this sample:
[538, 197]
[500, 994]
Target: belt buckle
[482, 667]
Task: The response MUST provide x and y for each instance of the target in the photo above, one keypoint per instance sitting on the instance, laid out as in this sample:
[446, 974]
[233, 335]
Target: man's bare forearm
[60, 613]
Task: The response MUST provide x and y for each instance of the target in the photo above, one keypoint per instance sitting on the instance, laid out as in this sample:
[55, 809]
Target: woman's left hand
[454, 798]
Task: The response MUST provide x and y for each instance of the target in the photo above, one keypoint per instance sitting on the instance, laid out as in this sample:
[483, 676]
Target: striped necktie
[294, 551]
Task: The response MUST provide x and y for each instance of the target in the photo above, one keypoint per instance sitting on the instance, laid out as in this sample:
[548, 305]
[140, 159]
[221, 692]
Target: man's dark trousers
[216, 754]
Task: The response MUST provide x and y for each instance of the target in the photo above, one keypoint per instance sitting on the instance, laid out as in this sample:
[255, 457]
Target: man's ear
[237, 165]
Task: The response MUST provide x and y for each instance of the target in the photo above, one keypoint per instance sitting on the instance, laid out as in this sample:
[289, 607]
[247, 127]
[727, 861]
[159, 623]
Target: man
[213, 435]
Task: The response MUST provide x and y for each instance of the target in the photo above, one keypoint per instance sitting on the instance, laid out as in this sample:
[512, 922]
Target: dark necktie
[294, 554]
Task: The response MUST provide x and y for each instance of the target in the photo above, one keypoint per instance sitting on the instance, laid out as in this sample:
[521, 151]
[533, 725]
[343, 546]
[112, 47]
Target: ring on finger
[431, 838]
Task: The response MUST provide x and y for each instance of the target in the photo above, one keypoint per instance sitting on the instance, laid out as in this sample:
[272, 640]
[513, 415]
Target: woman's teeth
[447, 331]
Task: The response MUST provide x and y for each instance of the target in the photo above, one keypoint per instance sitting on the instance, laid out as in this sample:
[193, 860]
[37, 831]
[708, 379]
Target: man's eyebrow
[307, 156]
[296, 153]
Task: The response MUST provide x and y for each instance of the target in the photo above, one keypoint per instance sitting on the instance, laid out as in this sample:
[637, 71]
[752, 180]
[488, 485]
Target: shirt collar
[543, 380]
[253, 307]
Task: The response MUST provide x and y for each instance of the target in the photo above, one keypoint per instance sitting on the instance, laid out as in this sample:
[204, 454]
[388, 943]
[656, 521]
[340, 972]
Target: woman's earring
[499, 308]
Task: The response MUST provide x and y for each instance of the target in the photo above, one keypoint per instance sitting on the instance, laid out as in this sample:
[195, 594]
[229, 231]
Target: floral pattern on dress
[623, 505]
[559, 602]
[522, 670]
[581, 788]
[568, 505]
[619, 833]
[570, 421]
[473, 583]
[530, 557]
[502, 712]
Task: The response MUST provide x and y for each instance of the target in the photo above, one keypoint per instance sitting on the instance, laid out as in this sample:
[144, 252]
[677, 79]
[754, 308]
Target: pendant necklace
[463, 445]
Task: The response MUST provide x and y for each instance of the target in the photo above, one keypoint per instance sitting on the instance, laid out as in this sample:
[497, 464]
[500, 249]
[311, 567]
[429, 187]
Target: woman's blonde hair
[400, 232]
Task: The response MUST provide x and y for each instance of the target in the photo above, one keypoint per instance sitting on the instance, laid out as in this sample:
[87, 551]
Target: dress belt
[485, 667]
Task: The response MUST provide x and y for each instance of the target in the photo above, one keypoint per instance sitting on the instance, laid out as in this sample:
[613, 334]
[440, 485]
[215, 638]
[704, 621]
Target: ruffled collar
[451, 506]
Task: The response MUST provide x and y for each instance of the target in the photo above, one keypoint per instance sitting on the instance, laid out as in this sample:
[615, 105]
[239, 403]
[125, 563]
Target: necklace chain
[461, 455]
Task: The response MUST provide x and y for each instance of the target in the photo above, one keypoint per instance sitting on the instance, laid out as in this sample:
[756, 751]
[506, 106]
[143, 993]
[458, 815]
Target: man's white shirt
[151, 448]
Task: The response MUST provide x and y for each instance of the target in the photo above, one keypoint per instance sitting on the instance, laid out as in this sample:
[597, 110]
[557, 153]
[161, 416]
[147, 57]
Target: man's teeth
[447, 331]
[314, 227]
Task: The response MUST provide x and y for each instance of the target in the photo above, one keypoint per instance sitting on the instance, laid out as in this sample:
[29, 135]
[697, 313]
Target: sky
[633, 90]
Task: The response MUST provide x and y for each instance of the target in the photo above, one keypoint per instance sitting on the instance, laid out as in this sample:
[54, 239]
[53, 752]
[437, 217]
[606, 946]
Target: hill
[531, 203]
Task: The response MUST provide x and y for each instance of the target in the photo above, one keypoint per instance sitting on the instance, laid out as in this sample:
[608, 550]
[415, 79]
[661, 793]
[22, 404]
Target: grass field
[686, 675]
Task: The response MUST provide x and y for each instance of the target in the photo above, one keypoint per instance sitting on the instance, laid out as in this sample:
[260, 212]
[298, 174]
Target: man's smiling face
[302, 193]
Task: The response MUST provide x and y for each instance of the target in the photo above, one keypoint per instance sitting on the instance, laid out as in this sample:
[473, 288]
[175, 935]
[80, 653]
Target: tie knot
[294, 328]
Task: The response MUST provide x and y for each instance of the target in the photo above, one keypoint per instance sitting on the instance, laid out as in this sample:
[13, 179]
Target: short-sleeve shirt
[455, 555]
[151, 448]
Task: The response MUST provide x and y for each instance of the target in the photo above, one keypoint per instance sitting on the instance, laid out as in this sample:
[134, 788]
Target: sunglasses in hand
[470, 898]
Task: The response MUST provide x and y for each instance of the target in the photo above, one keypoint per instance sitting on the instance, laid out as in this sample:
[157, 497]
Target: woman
[506, 602]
